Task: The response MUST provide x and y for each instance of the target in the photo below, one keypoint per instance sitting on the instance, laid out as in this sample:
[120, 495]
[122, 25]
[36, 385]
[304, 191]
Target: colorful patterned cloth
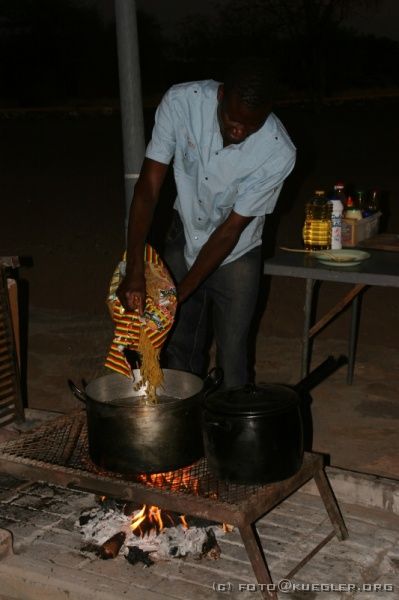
[145, 334]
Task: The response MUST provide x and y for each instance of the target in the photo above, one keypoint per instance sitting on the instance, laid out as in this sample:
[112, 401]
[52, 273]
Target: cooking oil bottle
[317, 227]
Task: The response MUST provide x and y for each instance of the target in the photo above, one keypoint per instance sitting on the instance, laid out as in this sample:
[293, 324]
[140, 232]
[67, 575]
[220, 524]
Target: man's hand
[132, 293]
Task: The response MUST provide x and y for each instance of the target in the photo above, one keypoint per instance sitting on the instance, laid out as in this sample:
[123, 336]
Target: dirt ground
[62, 209]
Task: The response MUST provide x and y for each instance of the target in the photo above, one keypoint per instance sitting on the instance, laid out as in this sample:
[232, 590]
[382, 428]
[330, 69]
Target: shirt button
[199, 219]
[216, 153]
[196, 237]
[206, 178]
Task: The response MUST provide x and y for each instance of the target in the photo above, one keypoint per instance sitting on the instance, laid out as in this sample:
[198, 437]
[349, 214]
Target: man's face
[237, 121]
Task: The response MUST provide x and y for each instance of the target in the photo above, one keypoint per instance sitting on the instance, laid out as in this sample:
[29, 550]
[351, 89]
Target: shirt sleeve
[257, 195]
[163, 140]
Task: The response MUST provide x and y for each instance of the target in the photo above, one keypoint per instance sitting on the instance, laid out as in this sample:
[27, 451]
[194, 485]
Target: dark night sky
[383, 21]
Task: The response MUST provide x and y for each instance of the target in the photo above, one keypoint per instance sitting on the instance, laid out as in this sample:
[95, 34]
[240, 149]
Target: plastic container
[317, 226]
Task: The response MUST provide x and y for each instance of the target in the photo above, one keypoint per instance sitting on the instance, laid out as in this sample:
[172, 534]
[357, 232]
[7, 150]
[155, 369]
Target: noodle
[151, 372]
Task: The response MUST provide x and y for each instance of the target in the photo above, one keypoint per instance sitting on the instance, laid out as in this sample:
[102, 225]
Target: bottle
[337, 207]
[352, 211]
[360, 200]
[317, 227]
[371, 204]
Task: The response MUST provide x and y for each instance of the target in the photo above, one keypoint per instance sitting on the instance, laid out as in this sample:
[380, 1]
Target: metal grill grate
[63, 442]
[58, 452]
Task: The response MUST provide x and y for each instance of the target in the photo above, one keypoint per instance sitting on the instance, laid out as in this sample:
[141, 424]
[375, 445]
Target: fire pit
[57, 452]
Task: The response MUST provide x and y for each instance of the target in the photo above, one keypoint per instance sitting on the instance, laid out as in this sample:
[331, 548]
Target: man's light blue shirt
[212, 180]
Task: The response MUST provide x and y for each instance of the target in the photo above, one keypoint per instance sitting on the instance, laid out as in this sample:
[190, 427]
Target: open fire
[151, 517]
[145, 533]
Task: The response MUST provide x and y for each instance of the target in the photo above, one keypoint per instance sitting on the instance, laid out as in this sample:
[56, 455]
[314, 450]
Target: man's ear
[220, 92]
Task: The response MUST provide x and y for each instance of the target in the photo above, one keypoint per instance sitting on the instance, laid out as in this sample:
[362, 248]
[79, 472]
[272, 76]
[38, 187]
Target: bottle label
[336, 232]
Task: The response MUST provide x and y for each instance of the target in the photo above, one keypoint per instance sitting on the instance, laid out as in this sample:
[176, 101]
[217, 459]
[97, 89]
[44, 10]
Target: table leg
[306, 341]
[354, 328]
[257, 557]
[331, 504]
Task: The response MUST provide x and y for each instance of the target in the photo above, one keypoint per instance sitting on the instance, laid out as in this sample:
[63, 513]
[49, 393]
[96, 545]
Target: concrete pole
[130, 94]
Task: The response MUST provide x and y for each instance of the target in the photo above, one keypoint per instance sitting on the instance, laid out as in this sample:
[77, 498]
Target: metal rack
[57, 452]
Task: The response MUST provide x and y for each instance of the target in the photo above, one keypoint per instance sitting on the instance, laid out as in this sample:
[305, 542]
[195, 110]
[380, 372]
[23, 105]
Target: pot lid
[252, 400]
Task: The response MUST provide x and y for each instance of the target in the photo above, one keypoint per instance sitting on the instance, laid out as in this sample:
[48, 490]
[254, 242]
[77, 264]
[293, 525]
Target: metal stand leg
[306, 342]
[257, 557]
[353, 337]
[331, 504]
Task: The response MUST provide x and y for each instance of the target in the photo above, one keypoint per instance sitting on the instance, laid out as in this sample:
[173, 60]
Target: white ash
[176, 541]
[102, 524]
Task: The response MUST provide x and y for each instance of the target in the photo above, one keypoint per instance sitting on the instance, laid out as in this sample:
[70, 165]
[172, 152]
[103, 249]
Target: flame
[146, 520]
[151, 518]
[139, 518]
[184, 522]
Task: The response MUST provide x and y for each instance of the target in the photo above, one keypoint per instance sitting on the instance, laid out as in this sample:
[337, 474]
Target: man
[231, 156]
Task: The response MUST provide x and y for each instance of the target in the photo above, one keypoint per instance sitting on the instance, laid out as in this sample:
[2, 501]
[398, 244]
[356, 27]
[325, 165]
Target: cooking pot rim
[251, 415]
[218, 404]
[201, 386]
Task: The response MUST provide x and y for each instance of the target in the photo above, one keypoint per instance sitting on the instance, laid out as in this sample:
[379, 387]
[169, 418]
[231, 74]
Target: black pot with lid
[253, 434]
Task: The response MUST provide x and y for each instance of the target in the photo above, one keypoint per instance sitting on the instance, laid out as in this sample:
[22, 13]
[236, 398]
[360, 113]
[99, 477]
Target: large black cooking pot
[254, 434]
[129, 434]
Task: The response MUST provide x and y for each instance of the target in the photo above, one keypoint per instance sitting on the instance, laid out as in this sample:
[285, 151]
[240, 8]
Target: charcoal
[136, 555]
[211, 548]
[85, 518]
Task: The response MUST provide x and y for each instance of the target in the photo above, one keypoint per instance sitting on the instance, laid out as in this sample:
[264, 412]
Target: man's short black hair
[252, 79]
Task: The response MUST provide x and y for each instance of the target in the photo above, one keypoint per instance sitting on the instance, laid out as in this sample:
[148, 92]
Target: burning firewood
[110, 548]
[211, 548]
[160, 534]
[136, 555]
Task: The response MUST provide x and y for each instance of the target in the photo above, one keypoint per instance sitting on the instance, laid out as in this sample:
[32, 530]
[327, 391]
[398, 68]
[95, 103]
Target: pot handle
[326, 368]
[77, 392]
[212, 381]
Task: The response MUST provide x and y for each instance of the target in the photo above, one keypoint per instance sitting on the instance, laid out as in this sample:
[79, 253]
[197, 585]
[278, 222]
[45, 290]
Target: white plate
[341, 258]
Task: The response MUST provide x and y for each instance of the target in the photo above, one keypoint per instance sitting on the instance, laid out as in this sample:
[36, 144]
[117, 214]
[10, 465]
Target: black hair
[252, 79]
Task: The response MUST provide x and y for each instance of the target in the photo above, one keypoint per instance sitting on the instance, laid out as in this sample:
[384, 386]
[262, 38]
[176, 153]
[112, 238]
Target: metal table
[382, 268]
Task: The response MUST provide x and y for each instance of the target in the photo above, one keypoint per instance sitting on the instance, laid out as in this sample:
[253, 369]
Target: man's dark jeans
[229, 297]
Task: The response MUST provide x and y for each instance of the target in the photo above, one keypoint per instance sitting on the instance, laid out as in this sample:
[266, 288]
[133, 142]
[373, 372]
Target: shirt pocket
[186, 163]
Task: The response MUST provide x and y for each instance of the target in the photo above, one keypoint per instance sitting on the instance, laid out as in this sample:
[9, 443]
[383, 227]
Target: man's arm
[219, 245]
[132, 292]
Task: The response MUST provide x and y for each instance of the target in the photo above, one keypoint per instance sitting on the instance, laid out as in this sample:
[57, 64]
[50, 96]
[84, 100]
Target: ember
[175, 480]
